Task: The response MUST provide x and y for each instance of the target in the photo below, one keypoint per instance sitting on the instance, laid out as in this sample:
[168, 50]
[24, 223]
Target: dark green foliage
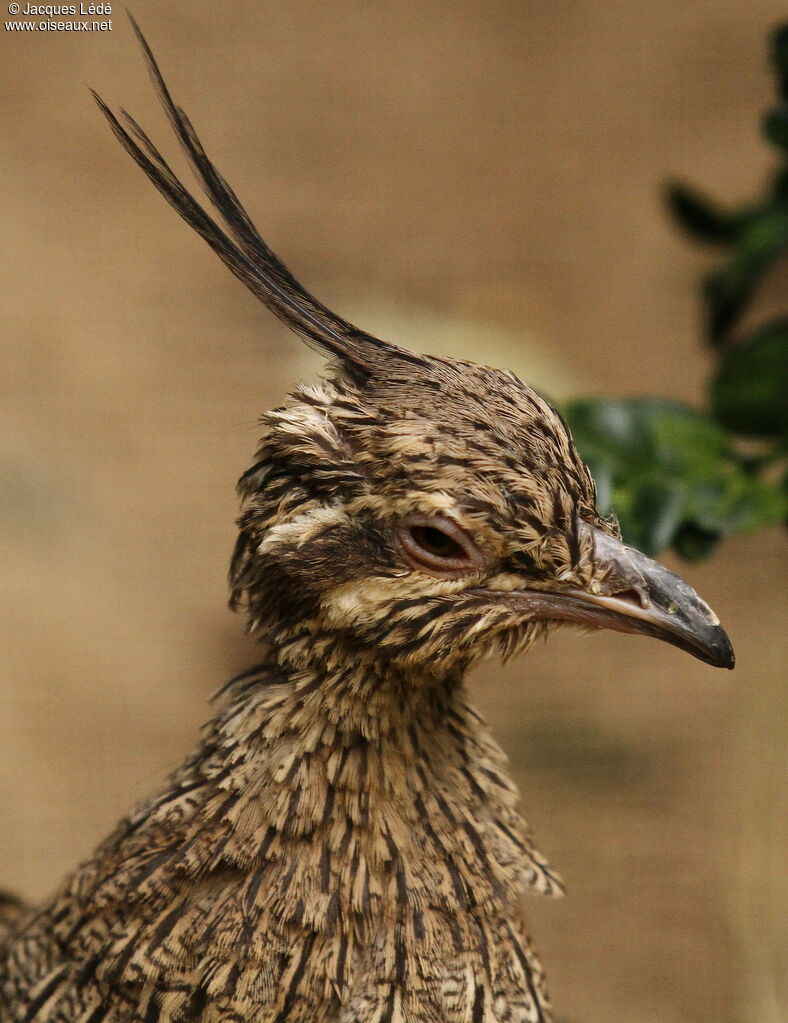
[749, 392]
[702, 217]
[776, 120]
[670, 473]
[760, 240]
[682, 477]
[754, 235]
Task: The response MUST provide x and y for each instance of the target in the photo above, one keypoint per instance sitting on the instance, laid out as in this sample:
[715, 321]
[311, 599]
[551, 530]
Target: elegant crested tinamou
[344, 845]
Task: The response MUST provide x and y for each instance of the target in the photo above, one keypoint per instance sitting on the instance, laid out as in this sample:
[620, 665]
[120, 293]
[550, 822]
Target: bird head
[423, 511]
[436, 513]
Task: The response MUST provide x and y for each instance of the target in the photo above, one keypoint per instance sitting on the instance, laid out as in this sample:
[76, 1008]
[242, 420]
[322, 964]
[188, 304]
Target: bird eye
[434, 541]
[438, 546]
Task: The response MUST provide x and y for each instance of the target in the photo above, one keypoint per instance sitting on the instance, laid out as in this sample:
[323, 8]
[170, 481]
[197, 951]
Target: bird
[345, 844]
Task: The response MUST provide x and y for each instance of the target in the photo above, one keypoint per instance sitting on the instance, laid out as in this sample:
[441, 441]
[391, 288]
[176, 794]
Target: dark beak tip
[722, 654]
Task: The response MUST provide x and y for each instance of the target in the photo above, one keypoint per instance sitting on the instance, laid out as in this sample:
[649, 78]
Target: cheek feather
[302, 529]
[363, 601]
[505, 582]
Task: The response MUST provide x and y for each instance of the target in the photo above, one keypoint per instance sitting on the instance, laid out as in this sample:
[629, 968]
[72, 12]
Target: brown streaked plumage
[344, 845]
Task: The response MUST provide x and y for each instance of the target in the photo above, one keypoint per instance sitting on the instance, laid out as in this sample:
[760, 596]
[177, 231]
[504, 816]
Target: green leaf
[749, 392]
[603, 471]
[616, 431]
[727, 290]
[656, 511]
[729, 500]
[700, 216]
[668, 473]
[779, 186]
[779, 47]
[775, 127]
[693, 543]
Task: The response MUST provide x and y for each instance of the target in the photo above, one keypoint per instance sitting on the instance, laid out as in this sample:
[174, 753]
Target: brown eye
[438, 546]
[434, 541]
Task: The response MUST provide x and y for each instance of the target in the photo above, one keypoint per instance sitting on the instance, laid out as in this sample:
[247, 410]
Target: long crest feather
[235, 239]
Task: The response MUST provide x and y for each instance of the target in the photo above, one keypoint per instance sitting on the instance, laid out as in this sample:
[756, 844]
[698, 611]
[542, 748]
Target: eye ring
[437, 546]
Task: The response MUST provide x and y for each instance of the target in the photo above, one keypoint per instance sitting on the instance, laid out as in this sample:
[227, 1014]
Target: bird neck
[334, 765]
[354, 824]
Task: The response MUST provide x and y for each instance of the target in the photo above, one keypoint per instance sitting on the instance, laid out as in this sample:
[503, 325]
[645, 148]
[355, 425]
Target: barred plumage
[344, 845]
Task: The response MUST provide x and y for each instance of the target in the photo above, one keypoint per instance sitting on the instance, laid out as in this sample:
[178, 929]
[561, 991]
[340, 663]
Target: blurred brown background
[475, 178]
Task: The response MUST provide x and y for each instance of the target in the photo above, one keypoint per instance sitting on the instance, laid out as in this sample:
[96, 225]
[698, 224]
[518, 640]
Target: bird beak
[633, 593]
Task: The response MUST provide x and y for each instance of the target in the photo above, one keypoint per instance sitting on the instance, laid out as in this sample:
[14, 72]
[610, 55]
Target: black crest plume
[237, 242]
